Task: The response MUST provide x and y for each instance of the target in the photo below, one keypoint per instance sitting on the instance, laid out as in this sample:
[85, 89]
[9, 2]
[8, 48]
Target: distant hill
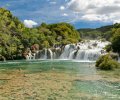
[102, 32]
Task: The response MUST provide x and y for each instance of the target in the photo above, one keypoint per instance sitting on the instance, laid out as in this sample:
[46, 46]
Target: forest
[16, 39]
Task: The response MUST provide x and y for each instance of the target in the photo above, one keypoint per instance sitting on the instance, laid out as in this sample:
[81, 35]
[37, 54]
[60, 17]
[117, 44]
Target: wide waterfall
[83, 51]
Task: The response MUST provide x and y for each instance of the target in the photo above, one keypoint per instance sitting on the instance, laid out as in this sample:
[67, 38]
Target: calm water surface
[102, 89]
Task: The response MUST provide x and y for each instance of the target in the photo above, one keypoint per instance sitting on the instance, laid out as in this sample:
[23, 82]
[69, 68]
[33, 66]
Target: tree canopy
[115, 39]
[98, 33]
[15, 38]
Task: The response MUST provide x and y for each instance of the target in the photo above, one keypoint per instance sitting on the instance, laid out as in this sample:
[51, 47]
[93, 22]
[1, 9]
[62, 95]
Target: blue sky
[80, 13]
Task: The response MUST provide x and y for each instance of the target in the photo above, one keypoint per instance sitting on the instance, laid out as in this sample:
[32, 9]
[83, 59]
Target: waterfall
[85, 51]
[30, 56]
[65, 53]
[80, 55]
[72, 54]
[27, 57]
[34, 56]
[45, 55]
[54, 55]
[51, 53]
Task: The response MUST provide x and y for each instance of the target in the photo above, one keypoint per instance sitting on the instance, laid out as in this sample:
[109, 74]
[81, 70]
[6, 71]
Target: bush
[108, 48]
[106, 62]
[99, 61]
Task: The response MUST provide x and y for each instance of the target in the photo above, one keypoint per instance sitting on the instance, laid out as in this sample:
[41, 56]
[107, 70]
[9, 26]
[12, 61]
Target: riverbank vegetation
[107, 62]
[108, 68]
[115, 39]
[16, 39]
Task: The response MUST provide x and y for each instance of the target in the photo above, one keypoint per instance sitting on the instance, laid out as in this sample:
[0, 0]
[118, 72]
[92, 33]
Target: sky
[80, 13]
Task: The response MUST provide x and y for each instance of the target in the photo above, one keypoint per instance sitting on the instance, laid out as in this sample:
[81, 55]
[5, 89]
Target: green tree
[116, 41]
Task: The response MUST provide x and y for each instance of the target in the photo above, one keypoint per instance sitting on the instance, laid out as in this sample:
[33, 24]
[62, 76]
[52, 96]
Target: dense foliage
[98, 33]
[10, 35]
[116, 38]
[106, 62]
[15, 38]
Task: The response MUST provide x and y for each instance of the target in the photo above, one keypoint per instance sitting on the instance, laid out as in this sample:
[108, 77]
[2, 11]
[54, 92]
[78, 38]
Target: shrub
[100, 60]
[46, 44]
[108, 48]
[106, 62]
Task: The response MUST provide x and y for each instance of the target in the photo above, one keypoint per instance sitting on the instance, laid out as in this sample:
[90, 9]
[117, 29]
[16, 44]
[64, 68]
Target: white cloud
[116, 21]
[62, 7]
[65, 14]
[96, 10]
[30, 23]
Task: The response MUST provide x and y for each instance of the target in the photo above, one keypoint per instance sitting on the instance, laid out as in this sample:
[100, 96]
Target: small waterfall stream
[51, 53]
[85, 51]
[45, 55]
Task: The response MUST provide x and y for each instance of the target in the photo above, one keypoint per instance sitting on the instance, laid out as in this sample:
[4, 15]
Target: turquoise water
[105, 90]
[92, 88]
[47, 65]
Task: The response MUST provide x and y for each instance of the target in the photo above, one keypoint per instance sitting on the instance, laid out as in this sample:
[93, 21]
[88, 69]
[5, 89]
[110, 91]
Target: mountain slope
[102, 32]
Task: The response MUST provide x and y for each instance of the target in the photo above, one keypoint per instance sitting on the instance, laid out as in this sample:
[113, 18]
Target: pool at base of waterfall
[55, 80]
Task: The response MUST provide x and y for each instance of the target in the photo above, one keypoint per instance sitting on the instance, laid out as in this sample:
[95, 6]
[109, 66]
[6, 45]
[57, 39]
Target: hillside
[102, 32]
[16, 40]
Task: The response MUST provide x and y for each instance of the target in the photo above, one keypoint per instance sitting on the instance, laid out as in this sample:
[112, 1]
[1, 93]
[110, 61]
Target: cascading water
[84, 51]
[67, 51]
[45, 55]
[30, 56]
[72, 54]
[51, 53]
